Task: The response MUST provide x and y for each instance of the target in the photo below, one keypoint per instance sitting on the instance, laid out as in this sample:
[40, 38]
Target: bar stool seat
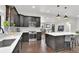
[72, 43]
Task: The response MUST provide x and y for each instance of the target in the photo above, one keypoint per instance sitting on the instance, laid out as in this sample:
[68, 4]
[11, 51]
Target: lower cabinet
[55, 42]
[25, 37]
[16, 49]
[32, 36]
[38, 35]
[18, 46]
[59, 42]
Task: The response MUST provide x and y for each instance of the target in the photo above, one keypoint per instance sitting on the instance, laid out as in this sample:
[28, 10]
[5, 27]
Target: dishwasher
[32, 35]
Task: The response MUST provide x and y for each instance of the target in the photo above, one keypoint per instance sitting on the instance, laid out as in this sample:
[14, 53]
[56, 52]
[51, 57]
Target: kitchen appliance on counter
[32, 36]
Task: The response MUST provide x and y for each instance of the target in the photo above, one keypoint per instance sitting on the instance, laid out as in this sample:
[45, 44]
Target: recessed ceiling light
[33, 6]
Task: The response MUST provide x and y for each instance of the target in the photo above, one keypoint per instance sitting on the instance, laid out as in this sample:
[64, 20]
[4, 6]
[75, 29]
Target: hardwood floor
[40, 47]
[35, 47]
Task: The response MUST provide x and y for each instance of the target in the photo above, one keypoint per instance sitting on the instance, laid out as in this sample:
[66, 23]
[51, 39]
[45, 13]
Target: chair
[71, 43]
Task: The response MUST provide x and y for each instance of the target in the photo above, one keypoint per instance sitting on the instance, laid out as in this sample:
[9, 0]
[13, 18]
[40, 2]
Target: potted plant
[6, 25]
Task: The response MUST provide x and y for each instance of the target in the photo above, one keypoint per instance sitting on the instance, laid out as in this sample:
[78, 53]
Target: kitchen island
[56, 40]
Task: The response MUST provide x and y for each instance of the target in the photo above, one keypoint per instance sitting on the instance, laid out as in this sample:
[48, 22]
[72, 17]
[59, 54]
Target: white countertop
[17, 35]
[61, 33]
[9, 49]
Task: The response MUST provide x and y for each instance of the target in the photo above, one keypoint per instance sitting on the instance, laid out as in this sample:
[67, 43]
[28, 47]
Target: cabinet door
[17, 21]
[25, 37]
[38, 35]
[37, 21]
[21, 20]
[31, 36]
[50, 41]
[59, 41]
[31, 21]
[16, 50]
[26, 21]
[14, 17]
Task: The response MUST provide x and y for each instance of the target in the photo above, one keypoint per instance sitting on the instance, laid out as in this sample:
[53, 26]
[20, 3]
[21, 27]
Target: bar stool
[71, 43]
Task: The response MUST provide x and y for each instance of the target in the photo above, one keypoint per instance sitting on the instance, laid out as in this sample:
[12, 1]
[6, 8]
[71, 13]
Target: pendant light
[58, 15]
[65, 17]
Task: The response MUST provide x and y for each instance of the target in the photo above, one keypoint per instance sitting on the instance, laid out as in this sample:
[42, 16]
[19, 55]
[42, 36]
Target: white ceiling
[72, 10]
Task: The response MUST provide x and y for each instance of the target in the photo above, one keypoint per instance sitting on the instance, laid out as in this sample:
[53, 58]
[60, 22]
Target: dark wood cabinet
[29, 21]
[16, 49]
[7, 12]
[18, 46]
[37, 21]
[55, 42]
[17, 21]
[12, 15]
[59, 42]
[26, 21]
[21, 20]
[25, 37]
[38, 35]
[32, 36]
[14, 18]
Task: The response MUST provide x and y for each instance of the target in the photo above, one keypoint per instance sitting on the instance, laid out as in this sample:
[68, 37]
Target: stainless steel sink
[6, 42]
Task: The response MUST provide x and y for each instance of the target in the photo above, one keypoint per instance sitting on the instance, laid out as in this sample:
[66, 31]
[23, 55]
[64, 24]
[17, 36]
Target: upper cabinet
[29, 21]
[7, 12]
[14, 18]
[37, 21]
[21, 20]
[26, 22]
[12, 15]
[32, 22]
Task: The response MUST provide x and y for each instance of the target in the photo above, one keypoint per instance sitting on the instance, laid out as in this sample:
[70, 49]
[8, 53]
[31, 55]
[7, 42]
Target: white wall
[50, 19]
[77, 22]
[53, 20]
